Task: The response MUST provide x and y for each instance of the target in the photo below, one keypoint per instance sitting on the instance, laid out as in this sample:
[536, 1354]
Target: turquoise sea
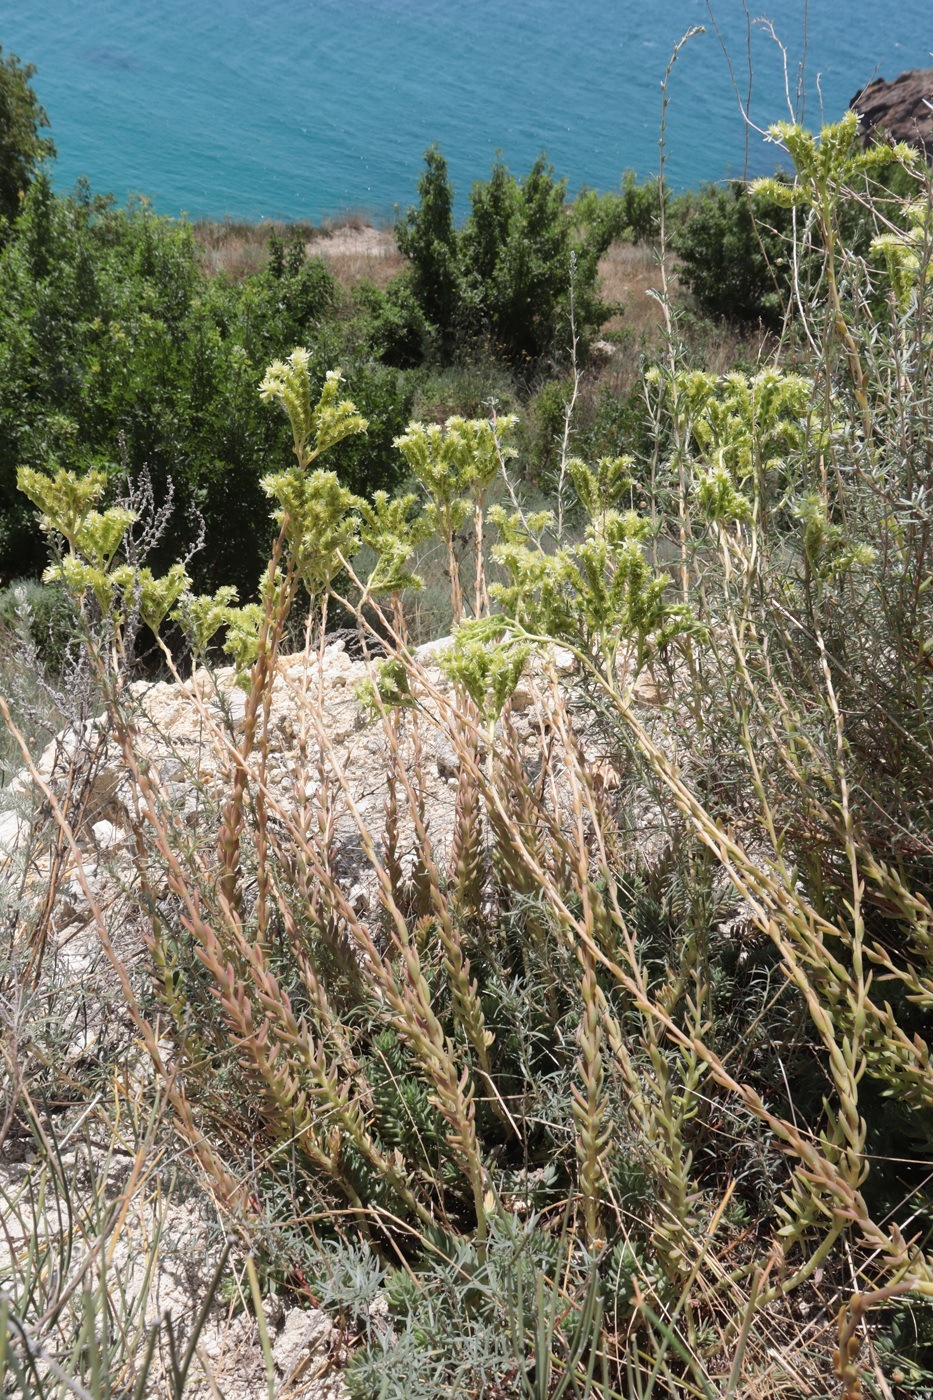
[308, 108]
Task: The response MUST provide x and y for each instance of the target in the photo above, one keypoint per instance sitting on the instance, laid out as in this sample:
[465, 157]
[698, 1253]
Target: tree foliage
[427, 237]
[509, 274]
[733, 254]
[23, 148]
[117, 352]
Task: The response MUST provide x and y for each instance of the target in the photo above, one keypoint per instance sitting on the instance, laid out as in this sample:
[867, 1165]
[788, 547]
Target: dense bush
[428, 238]
[394, 323]
[733, 254]
[116, 350]
[45, 611]
[22, 146]
[607, 421]
[633, 213]
[508, 275]
[641, 206]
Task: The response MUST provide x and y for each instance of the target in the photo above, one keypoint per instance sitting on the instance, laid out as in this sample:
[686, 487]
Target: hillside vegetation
[551, 1009]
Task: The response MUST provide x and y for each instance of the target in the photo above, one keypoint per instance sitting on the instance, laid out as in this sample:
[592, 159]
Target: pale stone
[359, 899]
[106, 835]
[304, 1335]
[13, 831]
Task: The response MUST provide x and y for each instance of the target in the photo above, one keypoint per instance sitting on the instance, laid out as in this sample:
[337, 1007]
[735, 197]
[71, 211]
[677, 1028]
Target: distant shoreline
[356, 220]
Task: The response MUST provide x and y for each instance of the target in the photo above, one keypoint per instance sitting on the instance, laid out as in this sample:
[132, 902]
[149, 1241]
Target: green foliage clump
[503, 1304]
[733, 254]
[904, 252]
[748, 430]
[506, 275]
[395, 324]
[633, 213]
[826, 166]
[48, 617]
[642, 205]
[600, 596]
[89, 567]
[488, 662]
[428, 238]
[318, 530]
[118, 353]
[23, 148]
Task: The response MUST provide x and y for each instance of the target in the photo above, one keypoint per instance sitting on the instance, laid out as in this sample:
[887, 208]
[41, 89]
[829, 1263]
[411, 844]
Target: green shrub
[543, 426]
[733, 255]
[395, 324]
[613, 422]
[116, 350]
[505, 276]
[22, 147]
[468, 389]
[633, 213]
[607, 421]
[642, 206]
[49, 616]
[428, 239]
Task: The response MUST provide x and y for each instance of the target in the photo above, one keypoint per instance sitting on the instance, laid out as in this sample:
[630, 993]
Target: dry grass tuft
[353, 248]
[356, 252]
[628, 273]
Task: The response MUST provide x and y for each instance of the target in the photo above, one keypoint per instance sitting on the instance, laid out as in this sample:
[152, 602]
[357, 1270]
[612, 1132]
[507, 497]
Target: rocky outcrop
[185, 737]
[901, 110]
[184, 732]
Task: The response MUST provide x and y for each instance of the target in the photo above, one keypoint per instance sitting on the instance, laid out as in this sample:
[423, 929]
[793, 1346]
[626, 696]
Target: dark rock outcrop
[898, 111]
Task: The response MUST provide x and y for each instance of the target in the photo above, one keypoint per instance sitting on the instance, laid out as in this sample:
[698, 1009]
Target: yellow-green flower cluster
[315, 426]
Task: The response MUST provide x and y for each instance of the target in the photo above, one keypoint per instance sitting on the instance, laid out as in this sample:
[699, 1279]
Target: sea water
[309, 108]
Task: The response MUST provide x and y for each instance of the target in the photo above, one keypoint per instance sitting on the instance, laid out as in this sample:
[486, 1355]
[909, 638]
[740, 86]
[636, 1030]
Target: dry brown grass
[353, 248]
[627, 274]
[235, 247]
[355, 252]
